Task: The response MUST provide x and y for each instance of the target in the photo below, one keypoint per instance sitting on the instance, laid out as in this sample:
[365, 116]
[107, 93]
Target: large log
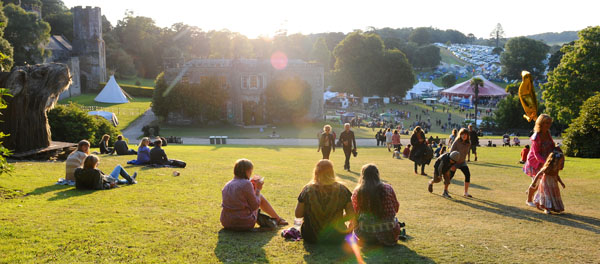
[35, 90]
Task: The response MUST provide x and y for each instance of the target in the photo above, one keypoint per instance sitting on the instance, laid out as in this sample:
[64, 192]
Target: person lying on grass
[242, 199]
[376, 205]
[322, 203]
[91, 178]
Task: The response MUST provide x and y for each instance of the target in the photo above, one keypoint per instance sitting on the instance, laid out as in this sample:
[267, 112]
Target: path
[134, 130]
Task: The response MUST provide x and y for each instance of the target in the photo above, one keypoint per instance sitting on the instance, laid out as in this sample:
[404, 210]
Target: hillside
[555, 38]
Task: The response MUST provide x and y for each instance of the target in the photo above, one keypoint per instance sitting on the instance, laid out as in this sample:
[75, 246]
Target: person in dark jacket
[121, 147]
[474, 142]
[419, 149]
[91, 178]
[326, 142]
[158, 154]
[441, 169]
[348, 143]
[104, 149]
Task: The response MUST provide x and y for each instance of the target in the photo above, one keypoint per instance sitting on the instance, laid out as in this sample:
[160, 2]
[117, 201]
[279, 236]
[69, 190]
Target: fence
[119, 111]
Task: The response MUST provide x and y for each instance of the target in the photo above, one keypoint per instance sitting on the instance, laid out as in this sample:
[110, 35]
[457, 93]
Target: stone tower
[88, 45]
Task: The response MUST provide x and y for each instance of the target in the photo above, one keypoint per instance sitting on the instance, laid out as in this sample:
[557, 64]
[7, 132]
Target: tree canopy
[523, 54]
[575, 79]
[26, 33]
[582, 138]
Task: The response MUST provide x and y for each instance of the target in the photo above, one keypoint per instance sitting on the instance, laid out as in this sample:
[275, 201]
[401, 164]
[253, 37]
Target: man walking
[348, 143]
[474, 142]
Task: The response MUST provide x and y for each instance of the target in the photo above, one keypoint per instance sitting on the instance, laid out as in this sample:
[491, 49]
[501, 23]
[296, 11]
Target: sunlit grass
[171, 219]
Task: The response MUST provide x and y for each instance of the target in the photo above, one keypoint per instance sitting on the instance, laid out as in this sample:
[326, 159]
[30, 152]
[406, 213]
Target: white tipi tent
[112, 93]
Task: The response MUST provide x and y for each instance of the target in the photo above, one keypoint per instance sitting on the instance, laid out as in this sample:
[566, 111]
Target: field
[143, 82]
[126, 113]
[449, 58]
[167, 219]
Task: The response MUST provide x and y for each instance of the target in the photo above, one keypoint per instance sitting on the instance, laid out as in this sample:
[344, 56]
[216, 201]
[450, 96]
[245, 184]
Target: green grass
[126, 113]
[449, 58]
[166, 219]
[143, 82]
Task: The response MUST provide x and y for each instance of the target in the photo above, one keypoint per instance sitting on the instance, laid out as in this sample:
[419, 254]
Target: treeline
[552, 38]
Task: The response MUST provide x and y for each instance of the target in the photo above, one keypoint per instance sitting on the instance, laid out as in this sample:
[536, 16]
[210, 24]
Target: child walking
[548, 197]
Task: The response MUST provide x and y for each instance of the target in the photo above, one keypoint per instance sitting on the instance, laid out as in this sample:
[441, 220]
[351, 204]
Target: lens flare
[352, 241]
[279, 60]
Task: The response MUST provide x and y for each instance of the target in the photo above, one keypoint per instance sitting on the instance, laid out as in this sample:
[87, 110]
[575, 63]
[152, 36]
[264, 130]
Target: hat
[454, 155]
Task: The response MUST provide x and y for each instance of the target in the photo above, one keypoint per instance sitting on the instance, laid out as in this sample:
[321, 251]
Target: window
[244, 82]
[253, 82]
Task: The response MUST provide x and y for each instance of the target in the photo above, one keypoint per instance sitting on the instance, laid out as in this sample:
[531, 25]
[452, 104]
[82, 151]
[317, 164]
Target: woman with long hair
[322, 204]
[104, 149]
[541, 146]
[143, 153]
[326, 142]
[376, 207]
[548, 197]
[242, 199]
[75, 159]
[90, 177]
[419, 148]
[462, 144]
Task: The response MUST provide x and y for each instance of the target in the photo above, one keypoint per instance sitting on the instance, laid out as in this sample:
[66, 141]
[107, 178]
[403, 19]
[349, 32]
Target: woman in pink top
[396, 140]
[242, 199]
[541, 146]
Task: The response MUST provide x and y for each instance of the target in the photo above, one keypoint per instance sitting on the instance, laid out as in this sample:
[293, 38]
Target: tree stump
[35, 90]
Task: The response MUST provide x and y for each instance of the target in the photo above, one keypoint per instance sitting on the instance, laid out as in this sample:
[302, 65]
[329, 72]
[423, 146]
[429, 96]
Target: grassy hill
[167, 219]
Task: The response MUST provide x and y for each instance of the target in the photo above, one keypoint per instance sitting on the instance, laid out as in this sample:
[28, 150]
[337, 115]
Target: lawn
[126, 113]
[167, 219]
[449, 58]
[143, 82]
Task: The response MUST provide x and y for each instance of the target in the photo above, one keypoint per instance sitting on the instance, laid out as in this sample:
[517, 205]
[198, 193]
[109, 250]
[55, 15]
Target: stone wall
[88, 45]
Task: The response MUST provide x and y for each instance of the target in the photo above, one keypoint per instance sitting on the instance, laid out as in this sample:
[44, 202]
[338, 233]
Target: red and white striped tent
[465, 89]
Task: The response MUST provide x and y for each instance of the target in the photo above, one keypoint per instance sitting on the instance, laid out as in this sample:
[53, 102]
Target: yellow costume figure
[527, 96]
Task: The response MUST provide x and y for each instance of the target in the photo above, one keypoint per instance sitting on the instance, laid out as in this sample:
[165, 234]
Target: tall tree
[220, 44]
[140, 37]
[448, 80]
[26, 33]
[420, 36]
[321, 53]
[6, 50]
[576, 77]
[476, 83]
[59, 17]
[471, 37]
[497, 34]
[241, 46]
[396, 76]
[523, 54]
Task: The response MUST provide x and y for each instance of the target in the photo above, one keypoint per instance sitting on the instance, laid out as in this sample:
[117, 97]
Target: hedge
[134, 90]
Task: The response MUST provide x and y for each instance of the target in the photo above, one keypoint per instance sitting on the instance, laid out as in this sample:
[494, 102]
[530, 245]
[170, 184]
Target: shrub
[69, 123]
[287, 99]
[582, 138]
[448, 80]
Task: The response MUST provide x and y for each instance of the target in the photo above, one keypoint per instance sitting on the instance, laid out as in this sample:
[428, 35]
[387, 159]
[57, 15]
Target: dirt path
[134, 130]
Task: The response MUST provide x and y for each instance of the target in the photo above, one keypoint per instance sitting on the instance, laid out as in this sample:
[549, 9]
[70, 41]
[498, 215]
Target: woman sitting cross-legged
[242, 199]
[143, 153]
[322, 203]
[91, 178]
[376, 205]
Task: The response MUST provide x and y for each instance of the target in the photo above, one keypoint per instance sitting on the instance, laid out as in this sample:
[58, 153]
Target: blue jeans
[119, 171]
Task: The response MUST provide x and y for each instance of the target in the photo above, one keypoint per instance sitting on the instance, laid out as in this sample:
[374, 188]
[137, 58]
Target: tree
[220, 44]
[397, 75]
[140, 37]
[497, 51]
[471, 38]
[59, 17]
[287, 99]
[509, 114]
[575, 79]
[497, 34]
[420, 36]
[513, 88]
[582, 138]
[6, 50]
[523, 54]
[321, 53]
[476, 83]
[26, 33]
[427, 57]
[241, 46]
[5, 167]
[448, 80]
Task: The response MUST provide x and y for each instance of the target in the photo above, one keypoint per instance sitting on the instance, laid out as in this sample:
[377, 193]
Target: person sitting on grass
[159, 157]
[91, 178]
[242, 199]
[143, 154]
[322, 203]
[406, 152]
[524, 153]
[121, 147]
[441, 169]
[75, 159]
[104, 149]
[376, 206]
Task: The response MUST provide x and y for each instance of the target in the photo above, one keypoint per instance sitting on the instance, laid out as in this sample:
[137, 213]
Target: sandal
[281, 222]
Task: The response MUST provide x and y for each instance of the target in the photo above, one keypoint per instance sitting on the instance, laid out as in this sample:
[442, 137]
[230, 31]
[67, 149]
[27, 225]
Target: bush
[582, 138]
[69, 123]
[448, 80]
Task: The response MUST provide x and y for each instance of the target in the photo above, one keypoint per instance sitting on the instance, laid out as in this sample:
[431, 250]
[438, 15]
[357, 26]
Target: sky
[264, 17]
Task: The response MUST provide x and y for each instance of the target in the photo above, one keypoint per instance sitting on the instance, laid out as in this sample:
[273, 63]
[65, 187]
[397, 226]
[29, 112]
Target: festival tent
[110, 116]
[465, 89]
[421, 88]
[112, 93]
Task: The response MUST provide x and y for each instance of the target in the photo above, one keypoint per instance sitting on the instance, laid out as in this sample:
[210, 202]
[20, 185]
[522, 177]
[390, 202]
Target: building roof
[58, 42]
[465, 89]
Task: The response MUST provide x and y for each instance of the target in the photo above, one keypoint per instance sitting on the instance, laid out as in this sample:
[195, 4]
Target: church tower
[88, 45]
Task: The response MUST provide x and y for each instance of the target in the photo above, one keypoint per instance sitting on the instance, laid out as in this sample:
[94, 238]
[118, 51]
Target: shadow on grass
[573, 220]
[353, 177]
[49, 188]
[69, 193]
[342, 253]
[243, 247]
[495, 165]
[472, 185]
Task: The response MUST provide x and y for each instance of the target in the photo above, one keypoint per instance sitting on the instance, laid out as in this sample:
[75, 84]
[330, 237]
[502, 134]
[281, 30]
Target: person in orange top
[524, 153]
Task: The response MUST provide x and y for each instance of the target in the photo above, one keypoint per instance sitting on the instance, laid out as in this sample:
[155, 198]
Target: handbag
[265, 221]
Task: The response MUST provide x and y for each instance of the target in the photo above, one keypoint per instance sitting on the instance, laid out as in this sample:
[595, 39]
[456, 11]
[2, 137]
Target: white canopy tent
[420, 88]
[112, 93]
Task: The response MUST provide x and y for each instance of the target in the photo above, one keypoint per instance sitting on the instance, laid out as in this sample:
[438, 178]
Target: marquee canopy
[465, 89]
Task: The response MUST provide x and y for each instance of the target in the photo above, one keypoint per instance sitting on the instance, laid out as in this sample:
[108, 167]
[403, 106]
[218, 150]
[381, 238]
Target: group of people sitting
[324, 205]
[81, 167]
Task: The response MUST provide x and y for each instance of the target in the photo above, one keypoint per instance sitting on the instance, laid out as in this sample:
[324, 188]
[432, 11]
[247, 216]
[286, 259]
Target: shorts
[437, 177]
[474, 149]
